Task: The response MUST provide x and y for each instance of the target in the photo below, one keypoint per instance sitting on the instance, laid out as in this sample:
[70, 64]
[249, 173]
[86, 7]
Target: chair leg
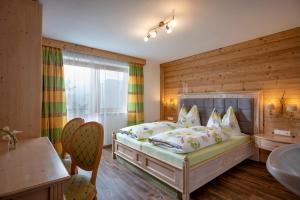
[114, 137]
[94, 197]
[185, 196]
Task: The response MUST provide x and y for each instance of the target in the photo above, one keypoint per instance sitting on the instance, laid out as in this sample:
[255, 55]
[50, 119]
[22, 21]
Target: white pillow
[189, 119]
[182, 114]
[214, 120]
[230, 123]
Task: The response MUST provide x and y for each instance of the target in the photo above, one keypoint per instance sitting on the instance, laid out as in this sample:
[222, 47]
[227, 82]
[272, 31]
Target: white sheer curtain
[96, 90]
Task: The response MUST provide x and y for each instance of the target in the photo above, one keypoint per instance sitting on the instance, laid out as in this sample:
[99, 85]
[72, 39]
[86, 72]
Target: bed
[188, 172]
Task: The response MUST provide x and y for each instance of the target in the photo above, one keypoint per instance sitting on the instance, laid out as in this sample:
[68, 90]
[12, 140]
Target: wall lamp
[285, 110]
[291, 108]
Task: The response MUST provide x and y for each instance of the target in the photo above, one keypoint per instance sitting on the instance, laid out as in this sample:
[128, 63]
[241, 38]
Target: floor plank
[247, 181]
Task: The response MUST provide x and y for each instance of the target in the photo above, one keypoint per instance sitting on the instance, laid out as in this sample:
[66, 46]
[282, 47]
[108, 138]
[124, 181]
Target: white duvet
[185, 140]
[146, 130]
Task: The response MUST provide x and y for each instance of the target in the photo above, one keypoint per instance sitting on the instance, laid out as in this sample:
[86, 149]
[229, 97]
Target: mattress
[129, 141]
[175, 159]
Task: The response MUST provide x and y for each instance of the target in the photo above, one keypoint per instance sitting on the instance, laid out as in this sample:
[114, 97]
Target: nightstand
[268, 142]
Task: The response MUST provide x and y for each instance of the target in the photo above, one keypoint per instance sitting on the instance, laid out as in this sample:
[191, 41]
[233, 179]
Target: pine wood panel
[274, 62]
[20, 66]
[251, 51]
[270, 63]
[251, 43]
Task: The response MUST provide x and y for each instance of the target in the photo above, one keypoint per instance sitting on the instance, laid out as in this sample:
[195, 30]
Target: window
[96, 90]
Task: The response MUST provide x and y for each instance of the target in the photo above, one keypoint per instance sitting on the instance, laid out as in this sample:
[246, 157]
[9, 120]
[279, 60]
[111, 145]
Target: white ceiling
[202, 25]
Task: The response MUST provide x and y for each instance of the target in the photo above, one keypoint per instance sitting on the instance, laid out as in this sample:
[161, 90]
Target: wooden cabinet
[20, 66]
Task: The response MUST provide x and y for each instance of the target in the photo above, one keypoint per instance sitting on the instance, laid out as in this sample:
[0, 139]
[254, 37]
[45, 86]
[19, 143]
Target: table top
[33, 164]
[279, 138]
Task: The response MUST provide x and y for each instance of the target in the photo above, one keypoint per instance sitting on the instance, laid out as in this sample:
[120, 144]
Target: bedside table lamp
[270, 107]
[171, 108]
[292, 108]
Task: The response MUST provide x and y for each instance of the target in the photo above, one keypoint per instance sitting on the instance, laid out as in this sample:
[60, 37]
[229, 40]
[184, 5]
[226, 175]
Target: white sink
[284, 164]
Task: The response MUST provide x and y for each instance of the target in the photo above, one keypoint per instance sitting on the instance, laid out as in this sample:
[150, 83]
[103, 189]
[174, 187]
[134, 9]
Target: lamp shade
[270, 106]
[292, 108]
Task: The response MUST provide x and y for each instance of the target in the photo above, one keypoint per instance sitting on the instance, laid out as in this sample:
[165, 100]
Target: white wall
[152, 91]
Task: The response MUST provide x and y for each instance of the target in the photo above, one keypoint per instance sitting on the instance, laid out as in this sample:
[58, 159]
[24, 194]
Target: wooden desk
[32, 171]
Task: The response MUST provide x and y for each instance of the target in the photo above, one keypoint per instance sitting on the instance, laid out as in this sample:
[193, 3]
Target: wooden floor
[249, 180]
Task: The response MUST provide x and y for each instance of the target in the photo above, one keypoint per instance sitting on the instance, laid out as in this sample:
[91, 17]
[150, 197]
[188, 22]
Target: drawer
[268, 144]
[129, 154]
[126, 152]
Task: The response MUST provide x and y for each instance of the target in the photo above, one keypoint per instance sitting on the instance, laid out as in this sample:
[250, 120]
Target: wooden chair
[67, 133]
[86, 149]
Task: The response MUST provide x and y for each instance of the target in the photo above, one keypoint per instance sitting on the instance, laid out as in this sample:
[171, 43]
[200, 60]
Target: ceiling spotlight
[168, 29]
[153, 34]
[173, 22]
[146, 38]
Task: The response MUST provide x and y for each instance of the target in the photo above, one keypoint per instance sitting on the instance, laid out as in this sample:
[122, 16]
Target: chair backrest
[86, 148]
[67, 132]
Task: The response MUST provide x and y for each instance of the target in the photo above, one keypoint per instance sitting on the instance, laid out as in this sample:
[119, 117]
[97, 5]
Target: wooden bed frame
[187, 179]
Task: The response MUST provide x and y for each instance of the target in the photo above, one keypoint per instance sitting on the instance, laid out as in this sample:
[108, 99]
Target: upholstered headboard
[245, 104]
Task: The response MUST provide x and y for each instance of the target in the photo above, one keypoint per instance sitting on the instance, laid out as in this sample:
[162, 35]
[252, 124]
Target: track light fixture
[168, 23]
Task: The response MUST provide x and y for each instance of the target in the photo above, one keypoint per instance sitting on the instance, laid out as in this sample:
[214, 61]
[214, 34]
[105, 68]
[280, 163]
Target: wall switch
[282, 132]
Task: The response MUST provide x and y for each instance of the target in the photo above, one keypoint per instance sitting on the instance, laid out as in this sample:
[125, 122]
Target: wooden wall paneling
[236, 47]
[92, 51]
[20, 66]
[204, 66]
[241, 55]
[270, 63]
[267, 86]
[250, 63]
[272, 123]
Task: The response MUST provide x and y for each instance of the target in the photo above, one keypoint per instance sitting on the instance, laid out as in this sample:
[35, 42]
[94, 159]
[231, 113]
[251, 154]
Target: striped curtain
[54, 101]
[135, 94]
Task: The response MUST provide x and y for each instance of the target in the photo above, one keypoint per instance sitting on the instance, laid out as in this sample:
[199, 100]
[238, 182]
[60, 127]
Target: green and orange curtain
[135, 94]
[54, 100]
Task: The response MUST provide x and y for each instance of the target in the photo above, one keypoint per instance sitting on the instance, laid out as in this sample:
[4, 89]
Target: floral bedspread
[185, 140]
[146, 130]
